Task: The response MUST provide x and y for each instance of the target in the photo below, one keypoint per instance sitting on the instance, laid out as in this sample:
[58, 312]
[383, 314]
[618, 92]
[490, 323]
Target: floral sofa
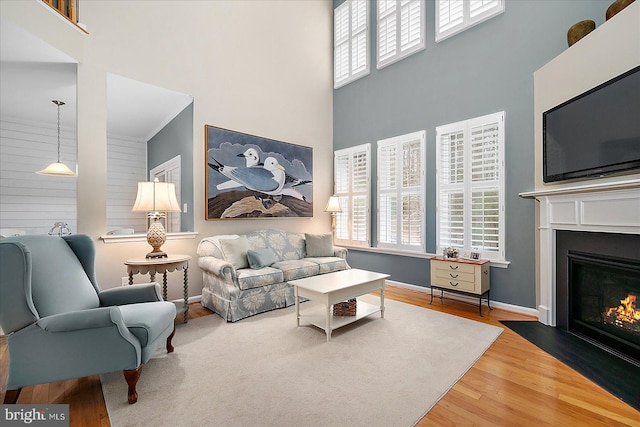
[247, 274]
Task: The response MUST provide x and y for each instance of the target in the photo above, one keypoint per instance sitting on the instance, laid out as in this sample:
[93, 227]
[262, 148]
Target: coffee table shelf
[317, 316]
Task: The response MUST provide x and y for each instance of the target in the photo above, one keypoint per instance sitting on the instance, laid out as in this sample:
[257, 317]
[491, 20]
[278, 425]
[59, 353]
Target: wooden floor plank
[513, 384]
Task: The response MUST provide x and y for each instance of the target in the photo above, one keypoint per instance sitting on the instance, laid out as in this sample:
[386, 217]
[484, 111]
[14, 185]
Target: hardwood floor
[513, 384]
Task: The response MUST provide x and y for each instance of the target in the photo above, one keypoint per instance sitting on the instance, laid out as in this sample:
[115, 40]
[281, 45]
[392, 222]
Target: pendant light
[57, 168]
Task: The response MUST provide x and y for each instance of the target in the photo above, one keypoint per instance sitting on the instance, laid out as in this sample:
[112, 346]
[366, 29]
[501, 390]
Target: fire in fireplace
[624, 316]
[602, 308]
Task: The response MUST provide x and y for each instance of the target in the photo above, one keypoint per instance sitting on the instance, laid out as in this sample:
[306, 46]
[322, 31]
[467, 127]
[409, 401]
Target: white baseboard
[494, 304]
[195, 298]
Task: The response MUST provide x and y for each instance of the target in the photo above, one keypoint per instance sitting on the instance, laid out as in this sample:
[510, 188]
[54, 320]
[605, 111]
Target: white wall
[33, 202]
[259, 67]
[127, 160]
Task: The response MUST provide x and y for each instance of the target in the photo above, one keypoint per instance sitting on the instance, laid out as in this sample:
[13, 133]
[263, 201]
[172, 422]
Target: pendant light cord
[58, 103]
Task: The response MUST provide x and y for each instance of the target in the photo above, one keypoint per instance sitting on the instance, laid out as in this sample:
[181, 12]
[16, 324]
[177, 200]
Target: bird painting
[244, 169]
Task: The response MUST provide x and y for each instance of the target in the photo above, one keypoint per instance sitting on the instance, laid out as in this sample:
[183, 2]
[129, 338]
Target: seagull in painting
[268, 179]
[252, 158]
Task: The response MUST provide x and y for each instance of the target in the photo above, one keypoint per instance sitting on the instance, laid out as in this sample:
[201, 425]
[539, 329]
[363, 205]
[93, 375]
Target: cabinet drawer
[461, 285]
[455, 275]
[453, 267]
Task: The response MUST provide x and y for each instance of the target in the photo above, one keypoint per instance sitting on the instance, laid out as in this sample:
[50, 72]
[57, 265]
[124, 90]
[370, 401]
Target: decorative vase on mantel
[616, 7]
[579, 30]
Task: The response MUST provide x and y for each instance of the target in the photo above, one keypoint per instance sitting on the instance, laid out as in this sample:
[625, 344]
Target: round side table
[151, 266]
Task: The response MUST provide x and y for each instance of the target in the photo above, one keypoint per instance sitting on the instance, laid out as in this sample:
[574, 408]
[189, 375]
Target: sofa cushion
[329, 264]
[319, 245]
[262, 257]
[249, 278]
[235, 251]
[296, 268]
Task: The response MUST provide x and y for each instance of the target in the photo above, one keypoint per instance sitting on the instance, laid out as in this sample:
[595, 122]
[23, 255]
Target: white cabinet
[461, 276]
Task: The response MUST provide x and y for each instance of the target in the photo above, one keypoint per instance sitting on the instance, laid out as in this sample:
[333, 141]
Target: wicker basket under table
[345, 308]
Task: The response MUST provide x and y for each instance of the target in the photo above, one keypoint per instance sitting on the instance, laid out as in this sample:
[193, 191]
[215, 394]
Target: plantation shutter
[485, 185]
[470, 186]
[451, 185]
[400, 29]
[351, 177]
[401, 192]
[454, 16]
[350, 41]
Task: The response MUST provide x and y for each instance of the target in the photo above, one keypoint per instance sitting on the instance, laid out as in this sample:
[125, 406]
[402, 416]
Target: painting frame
[248, 176]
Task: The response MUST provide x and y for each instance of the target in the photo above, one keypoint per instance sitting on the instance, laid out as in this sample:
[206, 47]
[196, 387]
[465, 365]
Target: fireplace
[598, 283]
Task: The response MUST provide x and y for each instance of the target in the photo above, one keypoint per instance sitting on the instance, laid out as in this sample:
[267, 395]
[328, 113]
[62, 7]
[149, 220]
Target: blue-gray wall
[483, 70]
[176, 138]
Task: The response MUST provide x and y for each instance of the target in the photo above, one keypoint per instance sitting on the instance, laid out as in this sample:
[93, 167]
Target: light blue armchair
[60, 325]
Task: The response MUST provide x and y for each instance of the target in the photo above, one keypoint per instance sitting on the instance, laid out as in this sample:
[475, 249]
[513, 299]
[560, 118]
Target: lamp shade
[333, 205]
[57, 169]
[156, 197]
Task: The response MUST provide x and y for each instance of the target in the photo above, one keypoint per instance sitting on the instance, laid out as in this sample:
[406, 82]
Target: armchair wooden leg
[11, 396]
[169, 338]
[132, 376]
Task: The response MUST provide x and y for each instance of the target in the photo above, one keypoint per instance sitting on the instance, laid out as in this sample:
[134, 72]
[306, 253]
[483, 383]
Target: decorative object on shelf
[451, 253]
[579, 30]
[249, 176]
[57, 168]
[616, 7]
[60, 229]
[345, 308]
[474, 255]
[333, 207]
[156, 198]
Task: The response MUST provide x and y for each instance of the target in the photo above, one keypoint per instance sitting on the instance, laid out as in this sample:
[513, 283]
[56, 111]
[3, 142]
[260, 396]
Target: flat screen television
[596, 133]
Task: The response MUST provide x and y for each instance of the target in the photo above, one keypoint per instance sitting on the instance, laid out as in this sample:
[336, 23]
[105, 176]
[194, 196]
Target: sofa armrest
[340, 252]
[144, 292]
[218, 267]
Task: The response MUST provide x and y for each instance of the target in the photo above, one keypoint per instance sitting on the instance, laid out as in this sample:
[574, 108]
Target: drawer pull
[451, 283]
[455, 276]
[453, 267]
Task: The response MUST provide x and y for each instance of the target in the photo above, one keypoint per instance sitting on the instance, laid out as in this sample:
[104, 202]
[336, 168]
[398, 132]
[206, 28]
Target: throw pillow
[319, 245]
[235, 251]
[259, 258]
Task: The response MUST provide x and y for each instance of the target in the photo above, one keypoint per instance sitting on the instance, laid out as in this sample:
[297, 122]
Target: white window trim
[466, 126]
[467, 20]
[350, 193]
[400, 54]
[398, 140]
[351, 76]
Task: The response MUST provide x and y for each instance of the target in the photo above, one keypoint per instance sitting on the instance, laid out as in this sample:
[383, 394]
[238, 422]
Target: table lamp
[156, 198]
[333, 207]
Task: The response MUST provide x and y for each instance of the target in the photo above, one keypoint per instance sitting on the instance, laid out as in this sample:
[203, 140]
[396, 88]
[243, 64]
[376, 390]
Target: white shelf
[317, 317]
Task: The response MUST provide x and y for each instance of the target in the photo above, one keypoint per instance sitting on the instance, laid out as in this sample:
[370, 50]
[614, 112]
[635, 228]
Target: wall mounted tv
[596, 133]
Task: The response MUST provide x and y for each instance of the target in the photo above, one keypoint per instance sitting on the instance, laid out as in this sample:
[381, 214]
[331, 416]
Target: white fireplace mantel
[603, 208]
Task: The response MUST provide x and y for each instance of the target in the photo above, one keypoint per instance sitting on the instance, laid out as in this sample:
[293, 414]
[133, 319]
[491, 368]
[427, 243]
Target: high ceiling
[33, 73]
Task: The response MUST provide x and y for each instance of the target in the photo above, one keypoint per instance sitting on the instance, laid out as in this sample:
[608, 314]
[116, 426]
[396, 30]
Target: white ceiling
[33, 73]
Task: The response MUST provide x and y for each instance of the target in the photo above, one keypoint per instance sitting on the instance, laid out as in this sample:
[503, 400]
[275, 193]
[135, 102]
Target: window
[470, 186]
[401, 25]
[350, 42]
[352, 173]
[455, 16]
[401, 192]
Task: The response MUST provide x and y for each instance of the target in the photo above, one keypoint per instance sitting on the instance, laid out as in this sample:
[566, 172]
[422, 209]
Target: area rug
[266, 371]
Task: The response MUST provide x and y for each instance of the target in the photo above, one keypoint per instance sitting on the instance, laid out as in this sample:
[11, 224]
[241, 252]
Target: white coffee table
[332, 288]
